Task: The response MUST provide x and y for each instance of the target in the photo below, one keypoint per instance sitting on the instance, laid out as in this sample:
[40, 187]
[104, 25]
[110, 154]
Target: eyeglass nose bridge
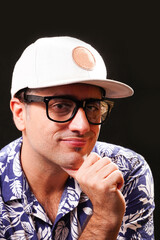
[79, 104]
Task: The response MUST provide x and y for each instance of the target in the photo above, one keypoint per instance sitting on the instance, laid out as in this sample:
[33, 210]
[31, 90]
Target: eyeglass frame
[79, 104]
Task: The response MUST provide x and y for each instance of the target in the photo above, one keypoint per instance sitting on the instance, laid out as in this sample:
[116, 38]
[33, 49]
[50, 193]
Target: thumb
[70, 172]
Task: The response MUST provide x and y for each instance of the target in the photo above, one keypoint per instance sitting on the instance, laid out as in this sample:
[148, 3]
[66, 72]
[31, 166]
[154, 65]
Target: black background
[127, 36]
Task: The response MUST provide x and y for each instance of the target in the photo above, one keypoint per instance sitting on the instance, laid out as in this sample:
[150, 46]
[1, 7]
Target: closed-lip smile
[75, 141]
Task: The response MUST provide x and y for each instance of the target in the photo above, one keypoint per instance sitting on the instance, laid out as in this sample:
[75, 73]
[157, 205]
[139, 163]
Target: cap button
[84, 58]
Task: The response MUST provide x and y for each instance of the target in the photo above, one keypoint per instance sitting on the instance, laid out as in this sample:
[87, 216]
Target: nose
[80, 123]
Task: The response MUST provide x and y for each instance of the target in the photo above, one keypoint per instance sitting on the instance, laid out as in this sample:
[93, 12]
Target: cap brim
[113, 89]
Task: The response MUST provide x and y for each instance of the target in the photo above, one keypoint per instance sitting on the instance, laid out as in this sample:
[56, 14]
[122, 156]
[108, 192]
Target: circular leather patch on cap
[83, 58]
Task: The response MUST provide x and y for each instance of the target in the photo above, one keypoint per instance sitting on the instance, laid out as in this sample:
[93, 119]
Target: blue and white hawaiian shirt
[22, 216]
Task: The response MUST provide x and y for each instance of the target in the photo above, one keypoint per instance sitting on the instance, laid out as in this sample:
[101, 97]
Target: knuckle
[107, 158]
[115, 166]
[112, 167]
[94, 156]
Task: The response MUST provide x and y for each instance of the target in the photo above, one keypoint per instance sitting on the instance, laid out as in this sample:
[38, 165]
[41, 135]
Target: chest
[51, 205]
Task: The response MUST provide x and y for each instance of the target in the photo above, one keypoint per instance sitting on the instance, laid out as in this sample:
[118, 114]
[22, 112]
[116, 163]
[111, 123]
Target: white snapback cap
[55, 61]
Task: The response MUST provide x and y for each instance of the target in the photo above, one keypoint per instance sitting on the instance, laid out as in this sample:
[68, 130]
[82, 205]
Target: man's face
[63, 144]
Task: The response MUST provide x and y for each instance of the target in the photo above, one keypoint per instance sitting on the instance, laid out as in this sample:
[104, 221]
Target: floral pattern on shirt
[22, 216]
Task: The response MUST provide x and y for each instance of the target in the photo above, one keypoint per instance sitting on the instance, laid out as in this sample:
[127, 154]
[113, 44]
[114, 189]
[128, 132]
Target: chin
[74, 161]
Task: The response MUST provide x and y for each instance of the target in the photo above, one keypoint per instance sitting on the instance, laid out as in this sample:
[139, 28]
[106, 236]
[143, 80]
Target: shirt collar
[13, 182]
[15, 185]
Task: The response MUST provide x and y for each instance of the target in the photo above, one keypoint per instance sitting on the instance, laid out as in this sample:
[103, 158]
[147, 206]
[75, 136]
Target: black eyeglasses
[62, 109]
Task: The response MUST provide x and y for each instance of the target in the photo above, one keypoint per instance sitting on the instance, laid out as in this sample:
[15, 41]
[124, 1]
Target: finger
[88, 161]
[114, 180]
[101, 164]
[106, 170]
[91, 166]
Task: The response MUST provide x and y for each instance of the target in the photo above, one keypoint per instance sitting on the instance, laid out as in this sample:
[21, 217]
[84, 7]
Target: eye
[93, 106]
[61, 106]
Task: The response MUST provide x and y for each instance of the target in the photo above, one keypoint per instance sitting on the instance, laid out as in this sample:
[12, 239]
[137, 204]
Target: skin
[56, 150]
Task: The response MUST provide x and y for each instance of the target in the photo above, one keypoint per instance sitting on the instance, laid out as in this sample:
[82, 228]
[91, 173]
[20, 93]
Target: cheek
[40, 136]
[42, 130]
[37, 124]
[96, 130]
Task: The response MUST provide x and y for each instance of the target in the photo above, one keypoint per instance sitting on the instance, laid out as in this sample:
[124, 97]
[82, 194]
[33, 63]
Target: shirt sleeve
[138, 191]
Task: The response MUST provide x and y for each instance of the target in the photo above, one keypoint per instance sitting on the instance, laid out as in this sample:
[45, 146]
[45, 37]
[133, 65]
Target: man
[58, 181]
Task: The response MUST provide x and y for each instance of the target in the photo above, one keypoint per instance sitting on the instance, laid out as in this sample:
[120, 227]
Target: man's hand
[101, 181]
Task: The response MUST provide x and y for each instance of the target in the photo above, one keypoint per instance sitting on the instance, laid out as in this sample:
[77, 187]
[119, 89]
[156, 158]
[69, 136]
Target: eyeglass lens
[60, 109]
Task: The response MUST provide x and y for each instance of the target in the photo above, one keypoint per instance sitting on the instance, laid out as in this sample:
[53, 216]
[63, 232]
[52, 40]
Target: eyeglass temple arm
[33, 98]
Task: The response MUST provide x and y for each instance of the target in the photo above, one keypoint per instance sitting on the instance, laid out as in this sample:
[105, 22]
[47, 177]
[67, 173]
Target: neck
[45, 178]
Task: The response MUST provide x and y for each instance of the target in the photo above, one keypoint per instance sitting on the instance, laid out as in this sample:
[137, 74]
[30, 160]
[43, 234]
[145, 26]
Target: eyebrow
[72, 97]
[38, 98]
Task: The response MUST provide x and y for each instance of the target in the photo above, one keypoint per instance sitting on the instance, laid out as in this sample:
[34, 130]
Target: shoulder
[138, 189]
[8, 152]
[5, 151]
[138, 178]
[125, 158]
[113, 150]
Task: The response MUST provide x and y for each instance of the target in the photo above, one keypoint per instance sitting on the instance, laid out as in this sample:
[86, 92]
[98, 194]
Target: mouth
[74, 142]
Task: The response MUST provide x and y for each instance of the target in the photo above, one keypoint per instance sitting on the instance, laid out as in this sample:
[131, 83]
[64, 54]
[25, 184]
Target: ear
[18, 110]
